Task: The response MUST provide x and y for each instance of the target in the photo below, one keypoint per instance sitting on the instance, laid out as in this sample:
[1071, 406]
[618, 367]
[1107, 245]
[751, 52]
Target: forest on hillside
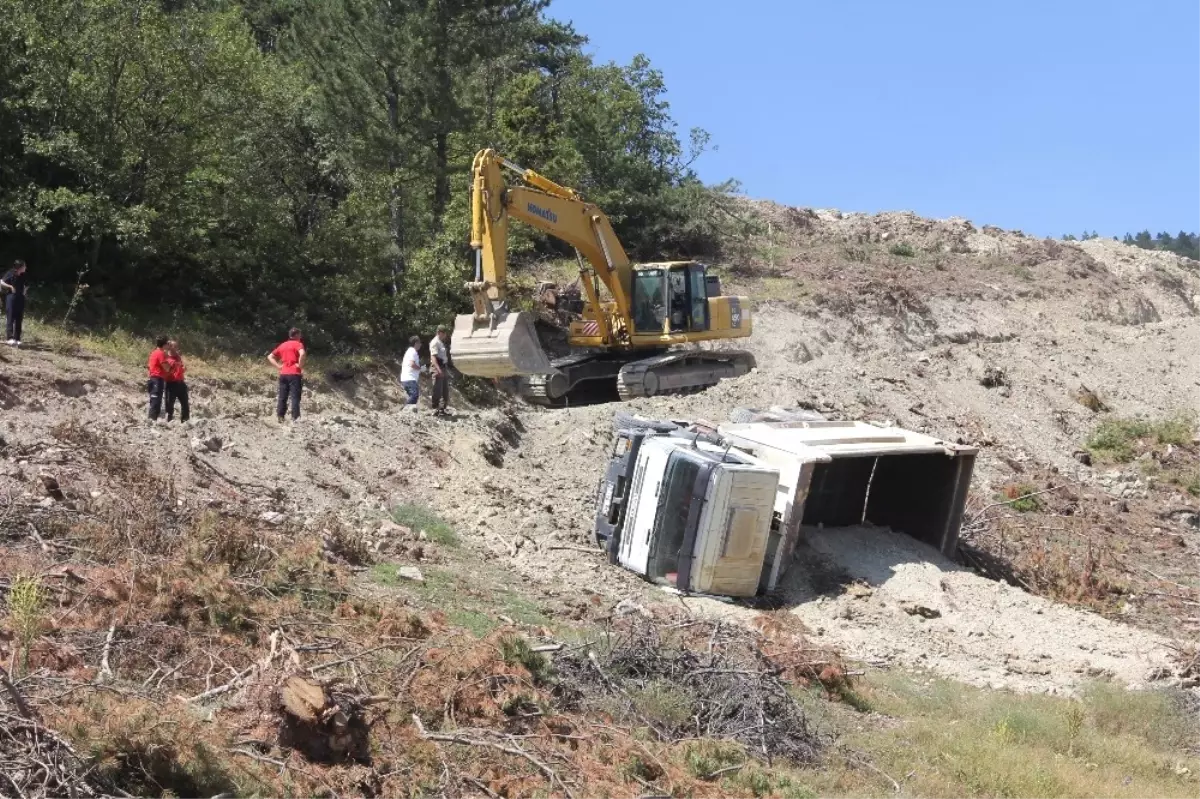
[1185, 244]
[264, 162]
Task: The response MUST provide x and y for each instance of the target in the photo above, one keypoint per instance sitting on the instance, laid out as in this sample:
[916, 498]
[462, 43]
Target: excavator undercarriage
[590, 377]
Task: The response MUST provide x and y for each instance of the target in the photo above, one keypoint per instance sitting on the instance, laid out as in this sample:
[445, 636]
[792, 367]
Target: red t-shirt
[157, 364]
[288, 354]
[174, 369]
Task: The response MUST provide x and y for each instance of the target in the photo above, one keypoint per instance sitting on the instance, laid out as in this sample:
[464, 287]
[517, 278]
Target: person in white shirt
[439, 363]
[410, 370]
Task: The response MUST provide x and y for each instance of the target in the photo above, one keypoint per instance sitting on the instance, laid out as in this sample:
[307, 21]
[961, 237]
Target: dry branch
[549, 773]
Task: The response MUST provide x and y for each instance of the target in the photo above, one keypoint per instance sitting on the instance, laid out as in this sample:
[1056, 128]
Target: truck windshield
[674, 501]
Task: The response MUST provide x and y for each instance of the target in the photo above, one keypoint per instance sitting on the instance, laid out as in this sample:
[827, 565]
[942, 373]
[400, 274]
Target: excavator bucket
[508, 349]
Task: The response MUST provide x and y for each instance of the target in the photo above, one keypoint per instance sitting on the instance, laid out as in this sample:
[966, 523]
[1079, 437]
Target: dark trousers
[14, 313]
[177, 390]
[412, 389]
[441, 390]
[289, 389]
[156, 386]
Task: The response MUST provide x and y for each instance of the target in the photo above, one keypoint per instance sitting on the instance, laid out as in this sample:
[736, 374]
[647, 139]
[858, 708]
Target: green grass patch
[1118, 440]
[1019, 497]
[903, 249]
[420, 517]
[949, 739]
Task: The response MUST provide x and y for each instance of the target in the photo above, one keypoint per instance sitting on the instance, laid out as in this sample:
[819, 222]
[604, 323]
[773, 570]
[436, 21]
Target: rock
[273, 517]
[1083, 456]
[207, 444]
[50, 484]
[914, 609]
[410, 573]
[993, 377]
[390, 529]
[859, 590]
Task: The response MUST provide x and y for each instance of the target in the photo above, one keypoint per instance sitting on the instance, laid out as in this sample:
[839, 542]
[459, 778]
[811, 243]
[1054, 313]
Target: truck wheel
[629, 421]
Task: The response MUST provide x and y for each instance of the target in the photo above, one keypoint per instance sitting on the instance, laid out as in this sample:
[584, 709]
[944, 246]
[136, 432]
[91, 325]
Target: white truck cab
[699, 516]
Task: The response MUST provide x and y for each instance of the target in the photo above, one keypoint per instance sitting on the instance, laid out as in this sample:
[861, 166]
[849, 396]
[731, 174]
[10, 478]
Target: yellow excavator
[628, 341]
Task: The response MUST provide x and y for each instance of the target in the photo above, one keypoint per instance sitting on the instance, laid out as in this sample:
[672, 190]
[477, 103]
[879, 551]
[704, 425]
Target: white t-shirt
[410, 367]
[437, 349]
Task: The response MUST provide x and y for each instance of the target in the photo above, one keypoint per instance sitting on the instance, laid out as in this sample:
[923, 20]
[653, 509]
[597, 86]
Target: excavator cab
[670, 298]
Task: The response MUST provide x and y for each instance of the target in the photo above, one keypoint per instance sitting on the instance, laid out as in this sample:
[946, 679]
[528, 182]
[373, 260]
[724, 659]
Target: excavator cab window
[679, 295]
[649, 305]
[689, 298]
[698, 285]
[677, 282]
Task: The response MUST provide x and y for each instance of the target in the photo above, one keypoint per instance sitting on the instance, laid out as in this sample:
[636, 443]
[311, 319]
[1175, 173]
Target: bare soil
[981, 336]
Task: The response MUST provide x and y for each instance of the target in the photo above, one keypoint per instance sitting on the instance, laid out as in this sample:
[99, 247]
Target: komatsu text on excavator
[628, 339]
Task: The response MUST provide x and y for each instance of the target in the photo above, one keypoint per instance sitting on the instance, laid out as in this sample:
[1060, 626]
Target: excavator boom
[497, 340]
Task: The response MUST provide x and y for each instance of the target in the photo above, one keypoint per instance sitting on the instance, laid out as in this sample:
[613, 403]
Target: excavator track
[577, 379]
[606, 377]
[681, 372]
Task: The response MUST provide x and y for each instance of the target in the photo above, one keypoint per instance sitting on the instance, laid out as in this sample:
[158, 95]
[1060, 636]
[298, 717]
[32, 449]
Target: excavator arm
[496, 341]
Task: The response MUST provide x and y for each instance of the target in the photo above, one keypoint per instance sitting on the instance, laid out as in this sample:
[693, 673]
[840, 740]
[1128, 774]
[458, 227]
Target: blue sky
[1049, 117]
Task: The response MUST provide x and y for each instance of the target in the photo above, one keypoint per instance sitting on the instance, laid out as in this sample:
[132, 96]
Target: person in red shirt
[288, 358]
[156, 385]
[176, 388]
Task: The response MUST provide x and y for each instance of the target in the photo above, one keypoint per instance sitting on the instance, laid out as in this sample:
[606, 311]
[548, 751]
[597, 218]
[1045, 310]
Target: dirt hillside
[890, 318]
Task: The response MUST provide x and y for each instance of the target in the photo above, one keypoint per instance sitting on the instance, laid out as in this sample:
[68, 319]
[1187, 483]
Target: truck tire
[623, 420]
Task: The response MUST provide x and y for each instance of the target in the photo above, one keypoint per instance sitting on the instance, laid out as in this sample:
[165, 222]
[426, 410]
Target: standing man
[439, 362]
[176, 387]
[288, 358]
[156, 384]
[410, 371]
[14, 304]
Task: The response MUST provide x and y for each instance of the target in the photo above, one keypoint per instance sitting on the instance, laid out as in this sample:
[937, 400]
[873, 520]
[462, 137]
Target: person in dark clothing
[288, 358]
[156, 385]
[13, 282]
[176, 388]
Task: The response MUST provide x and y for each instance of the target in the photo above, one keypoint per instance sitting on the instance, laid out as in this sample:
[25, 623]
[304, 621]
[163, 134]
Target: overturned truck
[719, 509]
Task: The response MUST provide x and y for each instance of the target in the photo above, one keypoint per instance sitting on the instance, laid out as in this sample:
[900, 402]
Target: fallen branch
[549, 773]
[974, 519]
[869, 767]
[222, 689]
[106, 672]
[198, 461]
[364, 653]
[15, 695]
[570, 548]
[478, 784]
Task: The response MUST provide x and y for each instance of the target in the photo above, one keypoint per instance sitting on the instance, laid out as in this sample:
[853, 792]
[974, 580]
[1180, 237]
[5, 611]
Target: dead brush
[1082, 573]
[702, 680]
[343, 542]
[143, 517]
[234, 541]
